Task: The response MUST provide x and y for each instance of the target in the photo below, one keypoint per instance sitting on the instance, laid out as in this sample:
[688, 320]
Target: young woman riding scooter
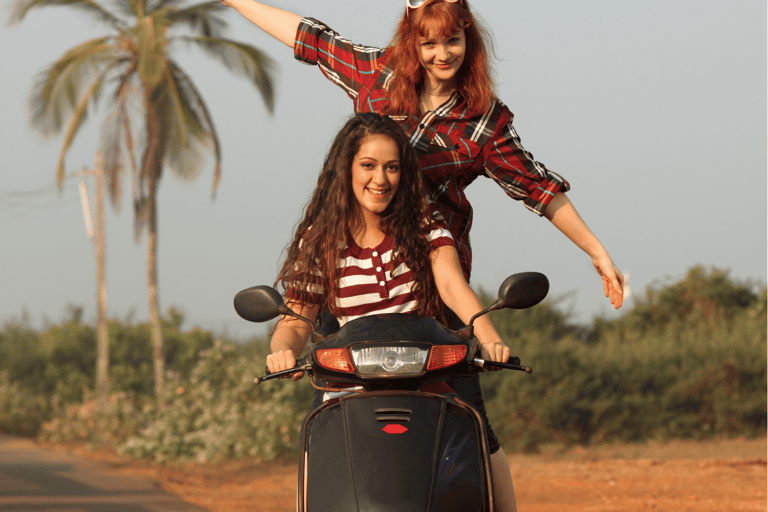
[370, 242]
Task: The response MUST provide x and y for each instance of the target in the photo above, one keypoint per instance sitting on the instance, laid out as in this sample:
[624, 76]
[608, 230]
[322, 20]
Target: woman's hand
[283, 360]
[613, 279]
[498, 352]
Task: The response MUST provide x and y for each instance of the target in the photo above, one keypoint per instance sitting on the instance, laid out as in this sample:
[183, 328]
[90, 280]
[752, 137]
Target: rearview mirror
[523, 290]
[259, 304]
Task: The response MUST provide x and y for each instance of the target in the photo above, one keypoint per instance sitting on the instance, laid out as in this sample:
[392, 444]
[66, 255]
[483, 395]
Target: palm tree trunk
[156, 332]
[102, 332]
[151, 169]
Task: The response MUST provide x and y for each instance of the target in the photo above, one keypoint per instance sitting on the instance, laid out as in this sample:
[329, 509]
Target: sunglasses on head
[415, 4]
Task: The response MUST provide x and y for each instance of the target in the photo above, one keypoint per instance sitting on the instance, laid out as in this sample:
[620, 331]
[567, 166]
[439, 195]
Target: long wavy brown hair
[437, 17]
[332, 214]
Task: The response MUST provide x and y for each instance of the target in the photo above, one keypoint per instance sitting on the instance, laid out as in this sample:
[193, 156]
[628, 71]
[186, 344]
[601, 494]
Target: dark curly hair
[332, 214]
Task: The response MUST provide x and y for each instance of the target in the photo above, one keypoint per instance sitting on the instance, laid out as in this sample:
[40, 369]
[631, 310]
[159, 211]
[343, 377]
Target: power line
[19, 205]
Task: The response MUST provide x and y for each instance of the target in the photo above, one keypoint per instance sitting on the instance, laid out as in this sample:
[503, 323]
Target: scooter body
[398, 439]
[405, 442]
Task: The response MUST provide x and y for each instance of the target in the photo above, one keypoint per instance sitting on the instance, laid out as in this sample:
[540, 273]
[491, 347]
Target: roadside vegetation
[687, 361]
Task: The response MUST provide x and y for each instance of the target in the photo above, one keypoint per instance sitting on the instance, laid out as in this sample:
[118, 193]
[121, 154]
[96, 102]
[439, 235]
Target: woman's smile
[375, 175]
[442, 57]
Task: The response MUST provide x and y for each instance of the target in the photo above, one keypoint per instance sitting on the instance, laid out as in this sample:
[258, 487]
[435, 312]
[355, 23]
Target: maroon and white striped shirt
[370, 284]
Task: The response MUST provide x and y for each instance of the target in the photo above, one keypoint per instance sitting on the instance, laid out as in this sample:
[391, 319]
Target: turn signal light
[443, 356]
[336, 359]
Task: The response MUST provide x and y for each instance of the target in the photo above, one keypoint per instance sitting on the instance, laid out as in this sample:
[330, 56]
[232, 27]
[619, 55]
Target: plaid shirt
[453, 150]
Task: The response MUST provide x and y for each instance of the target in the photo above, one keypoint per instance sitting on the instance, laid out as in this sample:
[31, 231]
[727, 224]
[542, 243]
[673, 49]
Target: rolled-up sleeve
[348, 65]
[517, 173]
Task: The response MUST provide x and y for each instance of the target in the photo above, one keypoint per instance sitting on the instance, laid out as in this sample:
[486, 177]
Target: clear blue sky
[655, 111]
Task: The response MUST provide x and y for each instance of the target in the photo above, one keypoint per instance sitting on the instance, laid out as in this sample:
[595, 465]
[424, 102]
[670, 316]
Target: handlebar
[302, 365]
[513, 363]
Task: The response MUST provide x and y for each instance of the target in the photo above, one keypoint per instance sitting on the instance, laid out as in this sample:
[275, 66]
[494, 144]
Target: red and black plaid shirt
[453, 150]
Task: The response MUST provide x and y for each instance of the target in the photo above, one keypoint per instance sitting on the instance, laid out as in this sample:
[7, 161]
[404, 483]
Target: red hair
[439, 18]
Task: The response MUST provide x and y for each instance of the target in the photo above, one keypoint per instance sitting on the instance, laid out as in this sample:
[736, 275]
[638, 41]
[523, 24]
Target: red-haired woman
[434, 80]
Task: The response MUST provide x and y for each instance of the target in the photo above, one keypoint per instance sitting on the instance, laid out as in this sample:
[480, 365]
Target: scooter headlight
[389, 359]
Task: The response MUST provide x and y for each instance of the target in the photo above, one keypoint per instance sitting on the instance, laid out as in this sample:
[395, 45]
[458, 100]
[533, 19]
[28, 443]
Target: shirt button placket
[379, 268]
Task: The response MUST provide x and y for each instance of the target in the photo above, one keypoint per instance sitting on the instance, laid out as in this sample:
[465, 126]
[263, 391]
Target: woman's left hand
[613, 279]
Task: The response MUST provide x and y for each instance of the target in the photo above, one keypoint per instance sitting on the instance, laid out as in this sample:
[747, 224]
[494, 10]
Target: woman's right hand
[283, 360]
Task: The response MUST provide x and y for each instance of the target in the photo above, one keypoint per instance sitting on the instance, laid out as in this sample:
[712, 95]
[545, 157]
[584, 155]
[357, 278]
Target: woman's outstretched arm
[280, 24]
[563, 215]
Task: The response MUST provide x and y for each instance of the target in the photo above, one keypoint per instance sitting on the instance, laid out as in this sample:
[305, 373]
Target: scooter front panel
[395, 451]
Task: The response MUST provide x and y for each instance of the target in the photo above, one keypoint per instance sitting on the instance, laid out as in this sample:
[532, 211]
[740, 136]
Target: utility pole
[97, 237]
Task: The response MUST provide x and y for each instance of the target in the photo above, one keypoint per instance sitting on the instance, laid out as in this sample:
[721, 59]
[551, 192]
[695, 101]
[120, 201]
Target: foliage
[219, 413]
[22, 410]
[699, 375]
[59, 363]
[697, 372]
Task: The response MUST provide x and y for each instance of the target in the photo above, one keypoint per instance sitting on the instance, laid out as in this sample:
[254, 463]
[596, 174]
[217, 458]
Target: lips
[378, 193]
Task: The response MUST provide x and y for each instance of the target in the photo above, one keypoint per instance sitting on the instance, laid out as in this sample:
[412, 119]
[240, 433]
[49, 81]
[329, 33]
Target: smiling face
[375, 175]
[442, 56]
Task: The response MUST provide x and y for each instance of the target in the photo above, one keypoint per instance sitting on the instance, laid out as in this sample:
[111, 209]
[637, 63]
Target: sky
[654, 111]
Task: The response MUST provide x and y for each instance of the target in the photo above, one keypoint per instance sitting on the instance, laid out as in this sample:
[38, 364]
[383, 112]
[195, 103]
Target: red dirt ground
[678, 476]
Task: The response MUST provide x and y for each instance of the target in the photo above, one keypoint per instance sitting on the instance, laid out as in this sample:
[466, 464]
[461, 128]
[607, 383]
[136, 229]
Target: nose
[379, 176]
[443, 52]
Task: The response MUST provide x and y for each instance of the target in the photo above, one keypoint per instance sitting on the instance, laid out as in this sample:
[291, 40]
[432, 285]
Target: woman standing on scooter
[434, 79]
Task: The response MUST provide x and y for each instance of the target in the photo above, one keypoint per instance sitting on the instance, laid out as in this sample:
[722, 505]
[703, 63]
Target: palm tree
[133, 64]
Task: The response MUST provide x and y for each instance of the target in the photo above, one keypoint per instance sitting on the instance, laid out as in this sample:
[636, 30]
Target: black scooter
[400, 440]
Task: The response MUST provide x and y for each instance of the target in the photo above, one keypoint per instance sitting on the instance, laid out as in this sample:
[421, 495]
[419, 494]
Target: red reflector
[336, 359]
[394, 428]
[443, 356]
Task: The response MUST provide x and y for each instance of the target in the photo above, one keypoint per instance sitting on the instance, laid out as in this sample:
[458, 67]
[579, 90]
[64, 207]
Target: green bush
[687, 361]
[699, 376]
[219, 413]
[22, 411]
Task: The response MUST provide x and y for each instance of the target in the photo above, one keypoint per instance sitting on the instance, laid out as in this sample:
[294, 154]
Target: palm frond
[243, 60]
[78, 117]
[21, 7]
[57, 89]
[118, 129]
[206, 19]
[198, 108]
[156, 5]
[131, 8]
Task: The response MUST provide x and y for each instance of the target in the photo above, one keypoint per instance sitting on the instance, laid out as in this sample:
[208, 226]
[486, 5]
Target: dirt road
[713, 476]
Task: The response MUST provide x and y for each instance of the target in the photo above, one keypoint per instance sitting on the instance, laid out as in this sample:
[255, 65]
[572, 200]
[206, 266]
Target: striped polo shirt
[370, 284]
